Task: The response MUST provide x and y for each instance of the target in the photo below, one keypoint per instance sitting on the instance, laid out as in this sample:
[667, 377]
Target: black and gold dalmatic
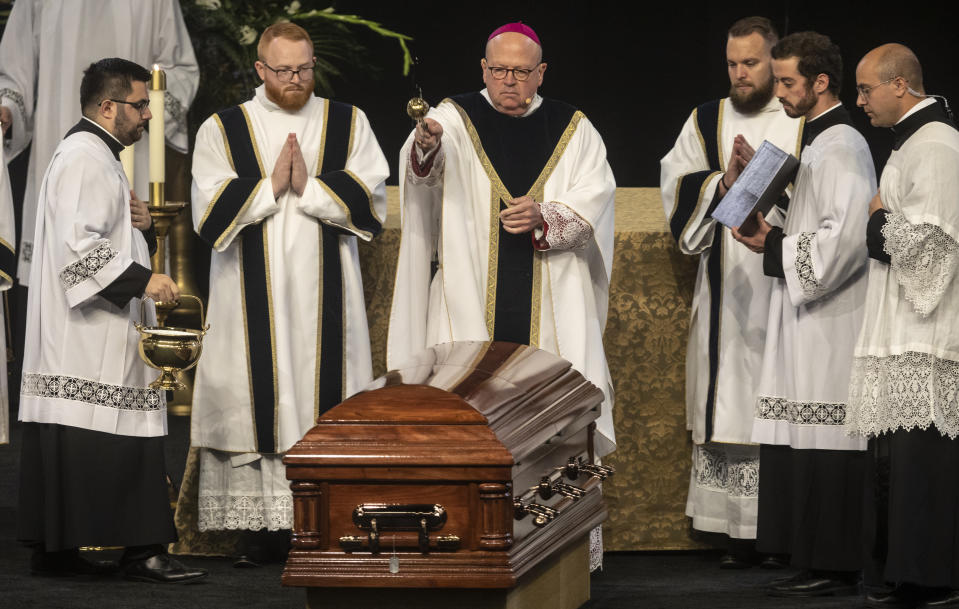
[518, 155]
[230, 202]
[689, 194]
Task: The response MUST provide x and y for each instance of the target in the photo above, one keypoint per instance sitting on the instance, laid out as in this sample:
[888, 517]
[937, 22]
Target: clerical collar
[913, 121]
[837, 115]
[533, 107]
[87, 126]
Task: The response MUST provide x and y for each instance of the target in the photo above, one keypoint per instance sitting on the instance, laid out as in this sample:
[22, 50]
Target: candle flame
[156, 67]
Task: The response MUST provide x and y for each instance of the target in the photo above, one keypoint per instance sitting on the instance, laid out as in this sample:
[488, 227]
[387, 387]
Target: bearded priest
[283, 186]
[726, 329]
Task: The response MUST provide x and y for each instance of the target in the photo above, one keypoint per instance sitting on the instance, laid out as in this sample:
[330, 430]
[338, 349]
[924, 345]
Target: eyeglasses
[520, 74]
[287, 75]
[865, 90]
[139, 106]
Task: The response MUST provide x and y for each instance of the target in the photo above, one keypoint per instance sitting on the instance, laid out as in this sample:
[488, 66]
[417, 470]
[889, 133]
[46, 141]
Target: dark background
[636, 70]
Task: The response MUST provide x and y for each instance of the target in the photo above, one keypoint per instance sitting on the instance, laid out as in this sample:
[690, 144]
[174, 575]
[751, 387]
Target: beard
[802, 107]
[752, 101]
[289, 96]
[128, 131]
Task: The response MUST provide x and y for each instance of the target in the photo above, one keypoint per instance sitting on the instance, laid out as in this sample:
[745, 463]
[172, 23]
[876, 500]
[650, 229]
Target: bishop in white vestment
[44, 50]
[546, 287]
[727, 325]
[515, 206]
[289, 337]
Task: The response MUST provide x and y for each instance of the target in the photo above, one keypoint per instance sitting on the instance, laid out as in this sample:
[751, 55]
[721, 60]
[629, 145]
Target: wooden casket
[465, 468]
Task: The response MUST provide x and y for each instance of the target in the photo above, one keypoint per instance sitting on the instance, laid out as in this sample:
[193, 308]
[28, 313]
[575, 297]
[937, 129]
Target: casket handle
[382, 517]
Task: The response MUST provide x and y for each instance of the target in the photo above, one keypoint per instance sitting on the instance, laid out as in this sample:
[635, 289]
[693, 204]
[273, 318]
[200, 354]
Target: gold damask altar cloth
[650, 294]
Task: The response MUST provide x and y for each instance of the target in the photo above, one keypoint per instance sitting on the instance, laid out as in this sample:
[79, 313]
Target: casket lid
[467, 402]
[401, 425]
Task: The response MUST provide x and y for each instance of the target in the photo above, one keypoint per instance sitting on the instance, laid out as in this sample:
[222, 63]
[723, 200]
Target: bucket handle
[203, 325]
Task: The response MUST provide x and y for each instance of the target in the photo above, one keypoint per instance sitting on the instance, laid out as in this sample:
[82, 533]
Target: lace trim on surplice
[17, 99]
[248, 513]
[811, 288]
[174, 110]
[770, 408]
[88, 266]
[715, 470]
[91, 392]
[924, 258]
[567, 230]
[436, 165]
[909, 391]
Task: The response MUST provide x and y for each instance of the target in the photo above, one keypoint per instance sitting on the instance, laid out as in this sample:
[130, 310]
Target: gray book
[757, 188]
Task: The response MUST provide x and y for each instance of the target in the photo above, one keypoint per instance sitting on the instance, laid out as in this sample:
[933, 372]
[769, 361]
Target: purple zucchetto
[520, 28]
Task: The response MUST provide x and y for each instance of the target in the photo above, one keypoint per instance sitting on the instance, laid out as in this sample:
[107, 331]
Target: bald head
[889, 80]
[515, 44]
[893, 60]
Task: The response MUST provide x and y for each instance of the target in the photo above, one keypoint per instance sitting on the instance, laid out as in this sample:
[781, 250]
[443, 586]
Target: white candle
[126, 159]
[157, 139]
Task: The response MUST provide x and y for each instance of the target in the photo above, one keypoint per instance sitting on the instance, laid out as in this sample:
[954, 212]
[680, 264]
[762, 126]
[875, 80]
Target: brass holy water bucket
[171, 350]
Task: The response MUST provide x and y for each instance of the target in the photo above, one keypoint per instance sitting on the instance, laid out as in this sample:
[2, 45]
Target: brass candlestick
[181, 247]
[163, 216]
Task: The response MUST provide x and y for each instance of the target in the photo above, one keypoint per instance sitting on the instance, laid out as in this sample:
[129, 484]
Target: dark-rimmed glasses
[520, 74]
[139, 106]
[286, 75]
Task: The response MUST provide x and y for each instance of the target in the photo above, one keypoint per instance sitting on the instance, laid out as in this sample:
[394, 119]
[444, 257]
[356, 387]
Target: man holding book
[810, 500]
[726, 331]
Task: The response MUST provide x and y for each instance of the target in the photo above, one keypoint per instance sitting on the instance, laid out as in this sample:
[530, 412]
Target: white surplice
[7, 241]
[449, 213]
[906, 370]
[816, 311]
[232, 476]
[46, 47]
[81, 365]
[724, 479]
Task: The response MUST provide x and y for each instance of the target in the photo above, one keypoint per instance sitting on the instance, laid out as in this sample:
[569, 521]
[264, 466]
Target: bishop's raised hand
[428, 134]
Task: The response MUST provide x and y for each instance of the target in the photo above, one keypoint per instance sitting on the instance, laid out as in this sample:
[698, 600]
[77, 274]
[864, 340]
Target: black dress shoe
[948, 599]
[815, 585]
[245, 562]
[889, 600]
[68, 563]
[774, 561]
[795, 578]
[729, 561]
[163, 569]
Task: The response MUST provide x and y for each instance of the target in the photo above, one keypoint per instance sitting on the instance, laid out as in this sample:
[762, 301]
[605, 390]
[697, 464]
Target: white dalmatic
[81, 365]
[240, 488]
[452, 214]
[727, 326]
[816, 311]
[744, 296]
[46, 47]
